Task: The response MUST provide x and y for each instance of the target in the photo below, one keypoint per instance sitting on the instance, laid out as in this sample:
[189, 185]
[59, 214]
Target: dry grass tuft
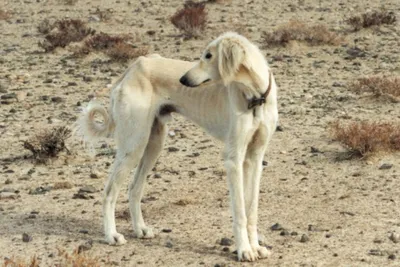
[77, 258]
[379, 86]
[62, 32]
[116, 47]
[191, 19]
[296, 30]
[48, 144]
[4, 15]
[369, 19]
[365, 138]
[33, 262]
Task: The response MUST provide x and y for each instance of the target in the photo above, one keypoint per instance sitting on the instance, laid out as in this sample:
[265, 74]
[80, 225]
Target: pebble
[166, 230]
[276, 227]
[87, 189]
[226, 242]
[39, 190]
[392, 257]
[284, 232]
[375, 252]
[304, 238]
[26, 238]
[279, 128]
[169, 244]
[385, 166]
[57, 99]
[395, 237]
[172, 149]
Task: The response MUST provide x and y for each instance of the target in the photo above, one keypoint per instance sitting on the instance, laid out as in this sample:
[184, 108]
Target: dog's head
[230, 57]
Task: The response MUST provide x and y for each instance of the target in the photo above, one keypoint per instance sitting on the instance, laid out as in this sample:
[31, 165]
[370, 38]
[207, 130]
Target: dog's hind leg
[131, 142]
[252, 169]
[136, 188]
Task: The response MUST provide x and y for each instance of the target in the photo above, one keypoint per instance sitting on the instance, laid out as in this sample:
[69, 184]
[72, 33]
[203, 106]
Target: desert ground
[330, 212]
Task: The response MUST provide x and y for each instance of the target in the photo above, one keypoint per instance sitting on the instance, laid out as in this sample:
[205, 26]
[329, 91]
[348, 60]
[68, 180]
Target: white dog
[230, 92]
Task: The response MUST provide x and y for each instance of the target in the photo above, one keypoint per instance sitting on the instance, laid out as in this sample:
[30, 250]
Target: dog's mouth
[206, 81]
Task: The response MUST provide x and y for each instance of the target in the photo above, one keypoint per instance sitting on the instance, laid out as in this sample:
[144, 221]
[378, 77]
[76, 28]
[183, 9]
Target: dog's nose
[184, 81]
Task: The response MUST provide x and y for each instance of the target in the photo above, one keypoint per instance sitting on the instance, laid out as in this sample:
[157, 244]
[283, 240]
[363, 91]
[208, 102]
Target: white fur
[216, 98]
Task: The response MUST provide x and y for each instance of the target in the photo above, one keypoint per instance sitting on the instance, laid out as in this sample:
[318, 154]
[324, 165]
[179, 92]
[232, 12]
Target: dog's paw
[261, 252]
[247, 255]
[144, 232]
[115, 239]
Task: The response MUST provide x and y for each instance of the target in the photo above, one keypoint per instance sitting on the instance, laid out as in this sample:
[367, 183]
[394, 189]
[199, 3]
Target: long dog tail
[90, 130]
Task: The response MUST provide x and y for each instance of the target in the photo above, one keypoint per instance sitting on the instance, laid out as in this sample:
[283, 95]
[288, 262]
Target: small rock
[279, 128]
[265, 163]
[315, 150]
[276, 227]
[304, 238]
[157, 175]
[293, 233]
[395, 237]
[284, 232]
[172, 149]
[226, 242]
[57, 99]
[392, 257]
[169, 244]
[94, 175]
[385, 166]
[87, 189]
[39, 190]
[26, 238]
[171, 133]
[337, 84]
[166, 230]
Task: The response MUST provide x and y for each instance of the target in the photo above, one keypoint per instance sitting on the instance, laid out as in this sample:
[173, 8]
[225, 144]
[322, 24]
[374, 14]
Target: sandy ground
[352, 206]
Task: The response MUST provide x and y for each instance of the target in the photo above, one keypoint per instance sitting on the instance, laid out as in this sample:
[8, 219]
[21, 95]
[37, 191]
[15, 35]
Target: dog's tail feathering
[90, 130]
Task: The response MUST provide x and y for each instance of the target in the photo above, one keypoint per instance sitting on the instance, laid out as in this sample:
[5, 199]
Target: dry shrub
[365, 138]
[191, 19]
[296, 30]
[62, 32]
[379, 86]
[48, 144]
[116, 47]
[369, 19]
[33, 262]
[4, 15]
[77, 258]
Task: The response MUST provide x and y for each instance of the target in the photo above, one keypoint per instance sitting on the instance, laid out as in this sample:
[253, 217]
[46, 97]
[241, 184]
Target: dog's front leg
[234, 167]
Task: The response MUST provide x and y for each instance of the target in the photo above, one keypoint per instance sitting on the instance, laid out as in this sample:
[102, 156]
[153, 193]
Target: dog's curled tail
[88, 129]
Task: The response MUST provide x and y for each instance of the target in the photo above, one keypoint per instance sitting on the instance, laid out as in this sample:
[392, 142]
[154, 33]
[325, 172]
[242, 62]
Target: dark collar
[263, 98]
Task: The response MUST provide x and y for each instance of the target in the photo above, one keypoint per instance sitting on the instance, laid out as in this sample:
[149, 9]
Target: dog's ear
[230, 56]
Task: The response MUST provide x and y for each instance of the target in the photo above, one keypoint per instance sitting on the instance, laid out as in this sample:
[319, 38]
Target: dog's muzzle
[185, 81]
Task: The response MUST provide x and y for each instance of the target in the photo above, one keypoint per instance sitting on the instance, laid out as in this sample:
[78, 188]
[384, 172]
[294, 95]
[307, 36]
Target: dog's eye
[208, 56]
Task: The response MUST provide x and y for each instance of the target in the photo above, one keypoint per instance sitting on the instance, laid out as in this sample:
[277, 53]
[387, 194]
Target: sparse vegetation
[4, 15]
[191, 19]
[33, 262]
[365, 138]
[369, 19]
[62, 32]
[48, 144]
[116, 47]
[379, 86]
[296, 30]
